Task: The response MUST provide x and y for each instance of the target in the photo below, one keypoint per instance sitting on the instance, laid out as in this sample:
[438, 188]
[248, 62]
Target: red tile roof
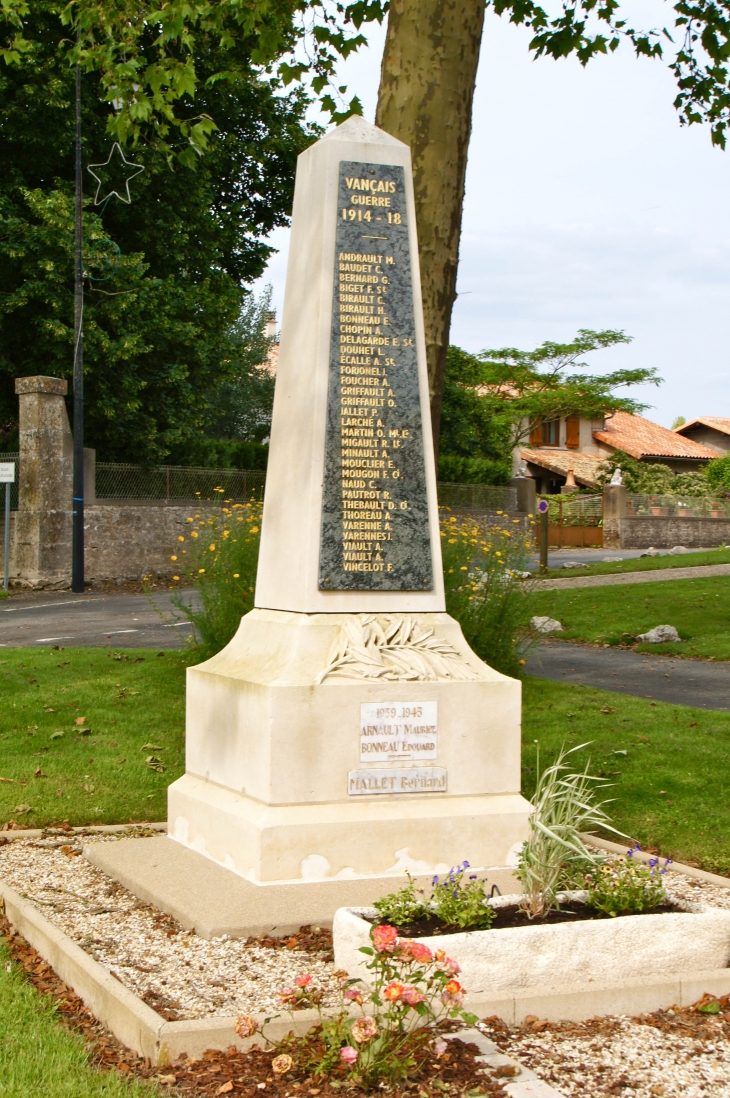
[584, 466]
[718, 422]
[641, 438]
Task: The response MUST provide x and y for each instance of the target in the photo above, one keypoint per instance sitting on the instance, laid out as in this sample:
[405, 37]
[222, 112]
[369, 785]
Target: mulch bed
[249, 1073]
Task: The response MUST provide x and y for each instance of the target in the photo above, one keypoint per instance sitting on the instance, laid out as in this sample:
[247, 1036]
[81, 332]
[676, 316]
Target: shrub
[622, 887]
[564, 805]
[484, 571]
[219, 560]
[380, 1045]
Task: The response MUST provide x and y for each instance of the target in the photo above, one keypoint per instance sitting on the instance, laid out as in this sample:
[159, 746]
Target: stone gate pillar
[614, 512]
[42, 554]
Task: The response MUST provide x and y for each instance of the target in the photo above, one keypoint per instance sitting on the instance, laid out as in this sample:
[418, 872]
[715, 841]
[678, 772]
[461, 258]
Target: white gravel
[149, 952]
[627, 1057]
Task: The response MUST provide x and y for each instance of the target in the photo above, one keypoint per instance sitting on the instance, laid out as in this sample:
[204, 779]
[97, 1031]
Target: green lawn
[39, 1057]
[698, 609]
[669, 764]
[646, 564]
[92, 771]
[103, 775]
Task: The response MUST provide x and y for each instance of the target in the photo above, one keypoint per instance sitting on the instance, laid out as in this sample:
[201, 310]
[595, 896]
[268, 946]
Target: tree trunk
[425, 99]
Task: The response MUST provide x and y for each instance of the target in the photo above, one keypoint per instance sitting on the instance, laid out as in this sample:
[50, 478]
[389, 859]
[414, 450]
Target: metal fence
[477, 497]
[575, 510]
[678, 506]
[13, 487]
[167, 483]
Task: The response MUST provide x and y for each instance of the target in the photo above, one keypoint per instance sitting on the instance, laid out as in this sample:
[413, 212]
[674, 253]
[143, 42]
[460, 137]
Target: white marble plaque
[398, 730]
[400, 779]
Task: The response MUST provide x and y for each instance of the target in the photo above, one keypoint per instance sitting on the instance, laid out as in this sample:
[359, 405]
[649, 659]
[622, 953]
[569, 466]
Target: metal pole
[6, 557]
[544, 518]
[77, 549]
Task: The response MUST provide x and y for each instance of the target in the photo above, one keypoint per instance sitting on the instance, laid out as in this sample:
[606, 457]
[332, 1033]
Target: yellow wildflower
[173, 557]
[211, 547]
[254, 529]
[189, 520]
[193, 533]
[200, 571]
[176, 577]
[236, 575]
[180, 537]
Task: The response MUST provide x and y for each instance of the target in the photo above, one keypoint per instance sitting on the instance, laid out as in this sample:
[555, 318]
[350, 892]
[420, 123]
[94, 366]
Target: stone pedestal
[276, 783]
[348, 732]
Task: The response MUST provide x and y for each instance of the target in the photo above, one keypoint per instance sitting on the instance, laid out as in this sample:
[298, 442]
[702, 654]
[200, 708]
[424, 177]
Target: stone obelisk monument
[347, 730]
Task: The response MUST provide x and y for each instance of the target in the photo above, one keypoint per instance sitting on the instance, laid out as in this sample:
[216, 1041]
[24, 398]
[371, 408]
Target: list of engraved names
[375, 533]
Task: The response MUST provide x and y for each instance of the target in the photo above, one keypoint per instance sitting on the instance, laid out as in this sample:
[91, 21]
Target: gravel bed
[174, 971]
[665, 1055]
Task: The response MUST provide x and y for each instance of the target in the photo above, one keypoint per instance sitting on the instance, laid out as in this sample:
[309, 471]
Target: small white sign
[7, 472]
[422, 779]
[398, 730]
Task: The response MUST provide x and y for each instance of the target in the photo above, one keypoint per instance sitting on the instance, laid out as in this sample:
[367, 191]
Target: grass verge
[38, 1056]
[614, 615]
[89, 735]
[668, 764]
[645, 564]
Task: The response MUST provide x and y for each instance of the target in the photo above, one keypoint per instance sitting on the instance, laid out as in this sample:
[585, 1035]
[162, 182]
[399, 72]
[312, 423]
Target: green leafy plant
[564, 806]
[218, 557]
[457, 901]
[484, 572]
[405, 906]
[625, 886]
[462, 903]
[380, 1045]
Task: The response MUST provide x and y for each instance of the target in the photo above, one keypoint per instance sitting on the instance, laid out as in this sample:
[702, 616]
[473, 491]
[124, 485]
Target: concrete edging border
[642, 856]
[141, 1028]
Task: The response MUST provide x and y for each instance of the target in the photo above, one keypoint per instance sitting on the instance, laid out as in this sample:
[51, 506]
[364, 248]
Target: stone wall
[664, 532]
[129, 540]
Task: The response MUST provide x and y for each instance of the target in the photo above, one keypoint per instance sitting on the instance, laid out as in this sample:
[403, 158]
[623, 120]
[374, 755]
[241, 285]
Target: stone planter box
[602, 950]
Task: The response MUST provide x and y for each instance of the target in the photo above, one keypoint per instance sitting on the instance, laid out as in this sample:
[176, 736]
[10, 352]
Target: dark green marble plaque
[375, 531]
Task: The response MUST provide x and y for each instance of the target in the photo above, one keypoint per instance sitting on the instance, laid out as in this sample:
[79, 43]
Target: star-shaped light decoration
[115, 180]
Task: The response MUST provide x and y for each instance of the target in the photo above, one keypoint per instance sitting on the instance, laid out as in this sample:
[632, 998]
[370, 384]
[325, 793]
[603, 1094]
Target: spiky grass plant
[564, 806]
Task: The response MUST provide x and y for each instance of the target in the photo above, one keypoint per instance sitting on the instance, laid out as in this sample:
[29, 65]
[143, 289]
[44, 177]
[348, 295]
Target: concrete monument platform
[213, 901]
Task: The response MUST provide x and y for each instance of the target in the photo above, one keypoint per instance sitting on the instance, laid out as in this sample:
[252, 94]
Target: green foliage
[485, 592]
[219, 560]
[456, 901]
[404, 906]
[625, 887]
[462, 903]
[654, 478]
[474, 448]
[162, 329]
[718, 474]
[564, 806]
[679, 421]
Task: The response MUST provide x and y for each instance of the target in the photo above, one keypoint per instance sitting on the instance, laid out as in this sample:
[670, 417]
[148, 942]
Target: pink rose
[245, 1025]
[384, 938]
[393, 991]
[352, 996]
[421, 953]
[364, 1029]
[412, 995]
[303, 981]
[349, 1054]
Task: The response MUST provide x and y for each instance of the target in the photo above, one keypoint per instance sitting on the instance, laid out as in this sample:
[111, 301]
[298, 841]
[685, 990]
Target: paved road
[660, 575]
[698, 683]
[92, 620]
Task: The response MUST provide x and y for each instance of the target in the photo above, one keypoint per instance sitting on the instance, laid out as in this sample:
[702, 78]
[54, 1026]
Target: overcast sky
[587, 206]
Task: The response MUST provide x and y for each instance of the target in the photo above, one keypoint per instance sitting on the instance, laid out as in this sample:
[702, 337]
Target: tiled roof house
[713, 431]
[579, 444]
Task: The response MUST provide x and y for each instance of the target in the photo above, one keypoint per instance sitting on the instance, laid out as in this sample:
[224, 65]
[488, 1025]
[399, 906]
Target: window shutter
[535, 432]
[572, 432]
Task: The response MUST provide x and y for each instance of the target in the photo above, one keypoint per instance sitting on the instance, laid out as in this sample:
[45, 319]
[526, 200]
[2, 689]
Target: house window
[572, 432]
[545, 432]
